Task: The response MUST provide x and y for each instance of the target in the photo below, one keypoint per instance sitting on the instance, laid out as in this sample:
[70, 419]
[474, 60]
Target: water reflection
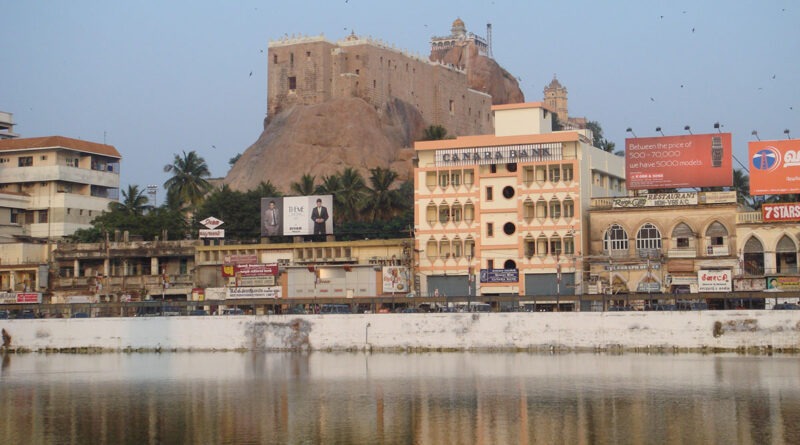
[436, 398]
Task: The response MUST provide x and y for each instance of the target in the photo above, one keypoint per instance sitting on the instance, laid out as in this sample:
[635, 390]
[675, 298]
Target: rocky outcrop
[324, 139]
[484, 74]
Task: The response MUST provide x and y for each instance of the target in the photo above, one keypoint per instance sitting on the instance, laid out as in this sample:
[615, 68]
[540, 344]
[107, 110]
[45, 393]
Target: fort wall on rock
[312, 70]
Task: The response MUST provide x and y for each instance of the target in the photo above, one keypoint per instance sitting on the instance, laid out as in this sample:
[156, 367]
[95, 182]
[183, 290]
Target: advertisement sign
[211, 222]
[499, 155]
[395, 279]
[240, 259]
[253, 292]
[780, 212]
[499, 275]
[699, 160]
[774, 167]
[212, 233]
[255, 281]
[297, 215]
[655, 200]
[780, 284]
[255, 270]
[29, 297]
[714, 280]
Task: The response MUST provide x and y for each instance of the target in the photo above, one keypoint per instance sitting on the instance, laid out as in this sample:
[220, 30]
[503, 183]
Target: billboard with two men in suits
[297, 215]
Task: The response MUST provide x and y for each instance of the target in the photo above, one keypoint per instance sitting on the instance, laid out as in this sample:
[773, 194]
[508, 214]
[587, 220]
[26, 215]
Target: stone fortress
[360, 102]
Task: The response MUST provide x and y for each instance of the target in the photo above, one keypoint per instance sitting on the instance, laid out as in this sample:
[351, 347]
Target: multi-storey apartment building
[505, 214]
[55, 185]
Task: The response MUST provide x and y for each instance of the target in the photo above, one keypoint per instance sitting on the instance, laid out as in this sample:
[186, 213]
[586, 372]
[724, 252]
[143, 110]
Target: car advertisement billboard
[297, 215]
[774, 167]
[695, 160]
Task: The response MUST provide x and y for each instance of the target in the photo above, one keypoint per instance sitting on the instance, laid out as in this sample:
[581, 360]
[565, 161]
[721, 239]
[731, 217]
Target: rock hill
[322, 139]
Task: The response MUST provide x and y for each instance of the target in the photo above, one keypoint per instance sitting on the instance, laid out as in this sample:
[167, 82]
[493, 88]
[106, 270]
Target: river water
[398, 398]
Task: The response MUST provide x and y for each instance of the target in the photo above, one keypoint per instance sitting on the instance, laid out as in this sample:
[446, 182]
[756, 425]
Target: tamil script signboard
[699, 160]
[29, 297]
[780, 212]
[253, 292]
[714, 280]
[499, 275]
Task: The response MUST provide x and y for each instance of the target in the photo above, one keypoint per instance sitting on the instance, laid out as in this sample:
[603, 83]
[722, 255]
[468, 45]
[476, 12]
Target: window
[444, 179]
[358, 71]
[492, 168]
[274, 58]
[510, 264]
[308, 53]
[25, 161]
[291, 58]
[569, 208]
[452, 106]
[555, 245]
[555, 173]
[43, 157]
[555, 208]
[541, 245]
[717, 233]
[455, 179]
[541, 208]
[456, 212]
[511, 167]
[490, 264]
[567, 172]
[444, 214]
[528, 210]
[569, 245]
[615, 240]
[457, 248]
[292, 83]
[509, 228]
[488, 193]
[469, 177]
[682, 234]
[490, 229]
[42, 216]
[530, 247]
[508, 192]
[648, 240]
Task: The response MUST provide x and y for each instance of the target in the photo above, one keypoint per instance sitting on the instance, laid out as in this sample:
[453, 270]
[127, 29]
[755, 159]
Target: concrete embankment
[744, 330]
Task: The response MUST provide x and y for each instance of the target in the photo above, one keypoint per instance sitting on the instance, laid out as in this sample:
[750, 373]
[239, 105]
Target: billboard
[297, 215]
[780, 212]
[774, 167]
[714, 280]
[695, 160]
[395, 279]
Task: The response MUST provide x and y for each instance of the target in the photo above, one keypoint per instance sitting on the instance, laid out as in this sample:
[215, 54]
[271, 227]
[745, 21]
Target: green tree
[305, 186]
[134, 201]
[351, 194]
[240, 211]
[233, 160]
[187, 185]
[435, 133]
[267, 189]
[382, 202]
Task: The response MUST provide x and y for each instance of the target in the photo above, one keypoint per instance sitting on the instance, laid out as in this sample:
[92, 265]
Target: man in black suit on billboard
[319, 215]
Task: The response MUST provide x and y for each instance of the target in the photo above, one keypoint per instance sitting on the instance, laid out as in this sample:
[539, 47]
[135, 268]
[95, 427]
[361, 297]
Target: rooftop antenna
[489, 40]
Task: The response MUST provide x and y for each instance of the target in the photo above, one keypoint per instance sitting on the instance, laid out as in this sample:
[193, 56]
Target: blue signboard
[499, 275]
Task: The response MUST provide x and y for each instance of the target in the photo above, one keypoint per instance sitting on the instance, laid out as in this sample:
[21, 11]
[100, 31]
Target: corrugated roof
[59, 141]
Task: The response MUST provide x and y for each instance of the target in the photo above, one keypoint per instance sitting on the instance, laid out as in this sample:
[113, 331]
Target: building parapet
[749, 218]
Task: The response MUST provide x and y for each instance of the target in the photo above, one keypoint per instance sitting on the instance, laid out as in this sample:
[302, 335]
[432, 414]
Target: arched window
[444, 248]
[648, 241]
[457, 248]
[469, 247]
[683, 237]
[569, 245]
[555, 245]
[615, 241]
[528, 210]
[541, 208]
[456, 212]
[717, 236]
[432, 249]
[786, 256]
[530, 246]
[753, 257]
[569, 208]
[510, 264]
[430, 213]
[541, 245]
[469, 212]
[444, 213]
[555, 208]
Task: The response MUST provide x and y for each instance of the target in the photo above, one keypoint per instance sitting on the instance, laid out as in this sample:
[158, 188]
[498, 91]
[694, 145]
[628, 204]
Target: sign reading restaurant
[656, 200]
[503, 154]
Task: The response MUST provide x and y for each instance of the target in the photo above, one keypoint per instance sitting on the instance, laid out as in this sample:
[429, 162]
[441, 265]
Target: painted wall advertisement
[714, 280]
[774, 167]
[297, 215]
[699, 160]
[780, 284]
[395, 279]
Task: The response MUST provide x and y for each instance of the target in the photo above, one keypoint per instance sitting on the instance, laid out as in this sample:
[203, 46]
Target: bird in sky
[251, 74]
[652, 100]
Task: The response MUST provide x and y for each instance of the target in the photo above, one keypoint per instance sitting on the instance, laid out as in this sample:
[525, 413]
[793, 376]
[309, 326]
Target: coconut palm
[305, 187]
[351, 194]
[382, 202]
[133, 202]
[187, 185]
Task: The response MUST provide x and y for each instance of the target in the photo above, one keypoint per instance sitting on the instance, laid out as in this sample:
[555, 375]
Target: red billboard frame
[694, 160]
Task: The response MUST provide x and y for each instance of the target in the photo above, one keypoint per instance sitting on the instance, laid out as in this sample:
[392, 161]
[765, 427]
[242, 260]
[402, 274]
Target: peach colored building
[505, 213]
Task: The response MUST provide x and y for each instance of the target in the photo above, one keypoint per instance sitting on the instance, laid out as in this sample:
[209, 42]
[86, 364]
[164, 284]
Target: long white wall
[726, 330]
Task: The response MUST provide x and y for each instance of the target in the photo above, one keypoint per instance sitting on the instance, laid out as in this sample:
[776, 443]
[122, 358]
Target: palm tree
[741, 185]
[305, 187]
[351, 194]
[133, 202]
[381, 202]
[435, 133]
[187, 184]
[331, 185]
[267, 189]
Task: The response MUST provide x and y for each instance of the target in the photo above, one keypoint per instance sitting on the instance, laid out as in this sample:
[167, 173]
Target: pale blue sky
[154, 78]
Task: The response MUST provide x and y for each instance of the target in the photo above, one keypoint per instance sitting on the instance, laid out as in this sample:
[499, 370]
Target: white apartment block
[52, 186]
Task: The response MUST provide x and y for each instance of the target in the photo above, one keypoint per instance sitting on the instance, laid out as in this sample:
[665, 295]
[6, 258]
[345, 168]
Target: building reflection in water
[437, 398]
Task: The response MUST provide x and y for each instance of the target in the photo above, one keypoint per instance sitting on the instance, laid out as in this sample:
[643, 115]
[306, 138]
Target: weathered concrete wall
[712, 330]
